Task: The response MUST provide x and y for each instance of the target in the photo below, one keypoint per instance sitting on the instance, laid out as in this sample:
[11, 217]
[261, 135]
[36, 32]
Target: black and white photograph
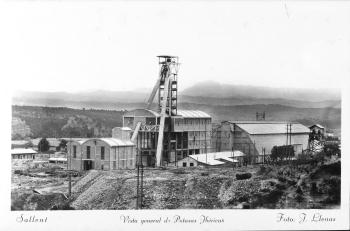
[206, 115]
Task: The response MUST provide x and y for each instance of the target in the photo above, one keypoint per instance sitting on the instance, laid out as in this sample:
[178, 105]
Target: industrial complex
[161, 134]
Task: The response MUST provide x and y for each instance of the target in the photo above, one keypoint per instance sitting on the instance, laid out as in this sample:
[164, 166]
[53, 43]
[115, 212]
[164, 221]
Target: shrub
[243, 176]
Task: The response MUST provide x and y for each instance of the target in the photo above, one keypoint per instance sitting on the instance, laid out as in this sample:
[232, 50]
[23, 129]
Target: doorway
[87, 165]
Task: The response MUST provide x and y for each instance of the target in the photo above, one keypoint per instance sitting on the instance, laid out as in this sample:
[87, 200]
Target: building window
[184, 164]
[102, 166]
[114, 164]
[191, 164]
[88, 152]
[74, 151]
[102, 153]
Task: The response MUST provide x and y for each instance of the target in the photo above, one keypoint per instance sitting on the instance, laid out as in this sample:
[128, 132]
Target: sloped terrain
[271, 187]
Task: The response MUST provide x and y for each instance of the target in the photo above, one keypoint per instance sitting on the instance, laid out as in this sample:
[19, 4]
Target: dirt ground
[38, 185]
[273, 187]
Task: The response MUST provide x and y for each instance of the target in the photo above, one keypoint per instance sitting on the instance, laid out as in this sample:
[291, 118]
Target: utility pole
[205, 140]
[139, 187]
[69, 170]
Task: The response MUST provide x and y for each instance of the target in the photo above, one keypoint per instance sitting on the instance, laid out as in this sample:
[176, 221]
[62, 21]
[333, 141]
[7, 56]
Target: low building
[257, 138]
[58, 160]
[23, 153]
[112, 153]
[228, 158]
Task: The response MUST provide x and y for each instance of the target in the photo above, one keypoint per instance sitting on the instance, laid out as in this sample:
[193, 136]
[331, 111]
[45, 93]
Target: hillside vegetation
[65, 122]
[68, 122]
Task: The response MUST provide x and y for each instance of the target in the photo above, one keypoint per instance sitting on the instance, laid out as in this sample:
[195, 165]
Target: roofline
[277, 133]
[101, 139]
[167, 56]
[155, 114]
[258, 122]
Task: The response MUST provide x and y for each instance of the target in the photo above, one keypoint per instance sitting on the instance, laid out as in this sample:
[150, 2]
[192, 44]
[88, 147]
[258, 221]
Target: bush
[243, 176]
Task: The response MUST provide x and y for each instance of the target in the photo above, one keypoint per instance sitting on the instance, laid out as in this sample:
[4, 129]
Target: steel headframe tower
[166, 86]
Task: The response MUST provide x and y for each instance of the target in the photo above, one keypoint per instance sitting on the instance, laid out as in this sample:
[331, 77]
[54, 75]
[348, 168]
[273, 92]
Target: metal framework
[166, 86]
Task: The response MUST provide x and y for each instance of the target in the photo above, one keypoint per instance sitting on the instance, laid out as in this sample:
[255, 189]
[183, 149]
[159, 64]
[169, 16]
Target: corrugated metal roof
[117, 142]
[256, 122]
[22, 151]
[141, 113]
[192, 114]
[213, 158]
[209, 160]
[272, 128]
[78, 140]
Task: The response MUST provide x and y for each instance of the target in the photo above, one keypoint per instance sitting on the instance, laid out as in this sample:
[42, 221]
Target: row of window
[191, 121]
[122, 155]
[198, 143]
[198, 134]
[184, 164]
[88, 152]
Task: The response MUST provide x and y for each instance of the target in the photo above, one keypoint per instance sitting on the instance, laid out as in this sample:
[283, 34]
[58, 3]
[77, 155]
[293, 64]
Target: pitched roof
[78, 140]
[19, 142]
[272, 128]
[141, 113]
[209, 160]
[214, 158]
[316, 125]
[22, 151]
[113, 142]
[192, 114]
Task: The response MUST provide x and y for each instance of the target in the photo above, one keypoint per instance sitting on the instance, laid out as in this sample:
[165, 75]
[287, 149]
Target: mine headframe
[166, 86]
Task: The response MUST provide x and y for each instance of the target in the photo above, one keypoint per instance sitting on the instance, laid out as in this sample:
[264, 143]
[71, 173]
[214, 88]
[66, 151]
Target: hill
[68, 122]
[218, 90]
[210, 93]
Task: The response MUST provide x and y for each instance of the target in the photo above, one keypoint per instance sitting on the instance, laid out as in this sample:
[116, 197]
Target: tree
[274, 154]
[331, 149]
[63, 144]
[282, 152]
[43, 145]
[17, 137]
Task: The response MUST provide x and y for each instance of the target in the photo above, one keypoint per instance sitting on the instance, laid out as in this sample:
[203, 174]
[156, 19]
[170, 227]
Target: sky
[89, 45]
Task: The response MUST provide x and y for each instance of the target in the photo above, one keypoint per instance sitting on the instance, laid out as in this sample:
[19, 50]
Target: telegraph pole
[139, 187]
[70, 169]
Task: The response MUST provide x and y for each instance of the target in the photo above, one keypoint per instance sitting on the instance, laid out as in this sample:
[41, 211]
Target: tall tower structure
[165, 134]
[166, 86]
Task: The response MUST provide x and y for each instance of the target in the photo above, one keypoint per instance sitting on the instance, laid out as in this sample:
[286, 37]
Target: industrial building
[162, 133]
[116, 152]
[186, 133]
[257, 138]
[23, 153]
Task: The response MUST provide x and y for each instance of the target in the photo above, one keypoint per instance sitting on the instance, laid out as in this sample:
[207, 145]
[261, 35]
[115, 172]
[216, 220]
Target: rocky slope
[303, 186]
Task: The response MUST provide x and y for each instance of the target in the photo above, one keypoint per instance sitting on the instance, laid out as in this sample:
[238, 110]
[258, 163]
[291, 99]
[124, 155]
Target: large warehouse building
[257, 138]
